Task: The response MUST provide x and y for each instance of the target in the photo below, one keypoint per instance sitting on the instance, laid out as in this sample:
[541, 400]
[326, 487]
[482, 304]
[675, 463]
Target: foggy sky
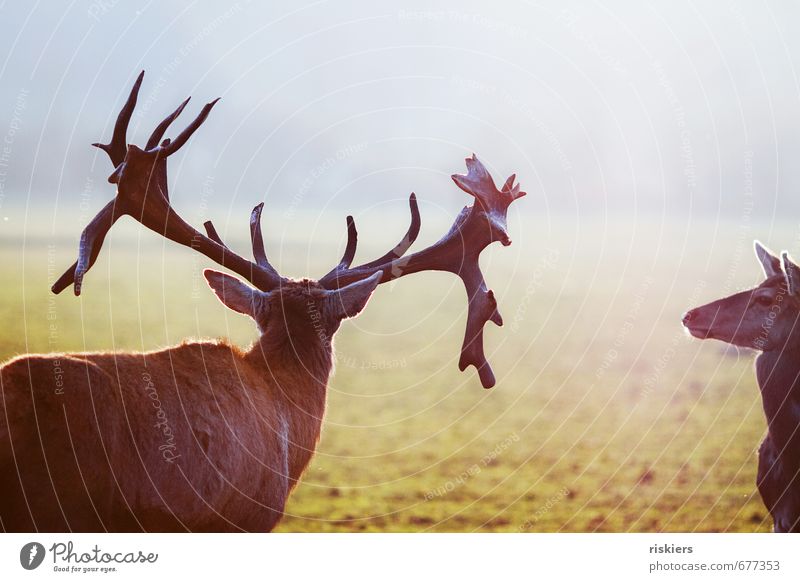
[609, 107]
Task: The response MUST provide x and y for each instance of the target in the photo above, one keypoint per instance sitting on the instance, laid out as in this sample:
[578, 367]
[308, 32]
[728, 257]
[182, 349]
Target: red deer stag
[766, 319]
[205, 436]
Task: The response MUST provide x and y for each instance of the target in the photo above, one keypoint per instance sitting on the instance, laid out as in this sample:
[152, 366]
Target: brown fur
[767, 318]
[198, 437]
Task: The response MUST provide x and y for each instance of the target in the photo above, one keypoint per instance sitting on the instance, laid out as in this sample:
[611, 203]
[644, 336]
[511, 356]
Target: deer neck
[296, 373]
[778, 373]
[299, 366]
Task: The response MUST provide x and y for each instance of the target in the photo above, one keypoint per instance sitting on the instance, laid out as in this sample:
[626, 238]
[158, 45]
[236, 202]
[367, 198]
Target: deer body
[778, 374]
[767, 318]
[203, 437]
[200, 437]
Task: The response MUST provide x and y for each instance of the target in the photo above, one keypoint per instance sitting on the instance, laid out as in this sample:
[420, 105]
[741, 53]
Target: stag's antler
[141, 178]
[457, 252]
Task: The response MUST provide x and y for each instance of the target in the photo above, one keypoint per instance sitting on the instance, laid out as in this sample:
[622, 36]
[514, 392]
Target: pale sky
[663, 107]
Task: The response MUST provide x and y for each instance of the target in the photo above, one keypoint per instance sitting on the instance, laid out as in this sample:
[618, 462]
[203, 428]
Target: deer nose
[687, 317]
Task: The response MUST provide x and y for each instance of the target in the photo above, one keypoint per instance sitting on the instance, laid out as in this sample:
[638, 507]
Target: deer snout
[696, 323]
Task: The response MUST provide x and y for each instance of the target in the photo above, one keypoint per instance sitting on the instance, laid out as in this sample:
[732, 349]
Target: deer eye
[764, 300]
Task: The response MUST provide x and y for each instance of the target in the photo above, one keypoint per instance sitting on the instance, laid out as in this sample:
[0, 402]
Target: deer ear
[792, 273]
[769, 262]
[234, 294]
[350, 300]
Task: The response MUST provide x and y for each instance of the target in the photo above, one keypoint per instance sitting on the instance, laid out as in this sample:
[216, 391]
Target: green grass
[606, 417]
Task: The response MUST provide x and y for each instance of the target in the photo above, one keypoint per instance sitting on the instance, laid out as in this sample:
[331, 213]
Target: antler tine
[66, 279]
[456, 252]
[258, 241]
[513, 189]
[212, 232]
[142, 193]
[482, 308]
[349, 250]
[184, 136]
[162, 127]
[160, 174]
[478, 182]
[408, 239]
[352, 240]
[118, 145]
[92, 239]
[352, 243]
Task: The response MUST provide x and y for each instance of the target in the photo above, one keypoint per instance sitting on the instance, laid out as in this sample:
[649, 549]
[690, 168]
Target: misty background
[607, 107]
[655, 140]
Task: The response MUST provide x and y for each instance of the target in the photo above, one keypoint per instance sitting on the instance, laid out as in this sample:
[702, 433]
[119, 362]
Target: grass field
[606, 416]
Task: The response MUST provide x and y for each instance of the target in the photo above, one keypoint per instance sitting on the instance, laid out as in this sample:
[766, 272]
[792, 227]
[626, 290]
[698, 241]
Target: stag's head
[280, 305]
[298, 312]
[763, 318]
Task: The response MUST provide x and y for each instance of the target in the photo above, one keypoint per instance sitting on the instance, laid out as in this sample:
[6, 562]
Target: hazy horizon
[676, 110]
[655, 142]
